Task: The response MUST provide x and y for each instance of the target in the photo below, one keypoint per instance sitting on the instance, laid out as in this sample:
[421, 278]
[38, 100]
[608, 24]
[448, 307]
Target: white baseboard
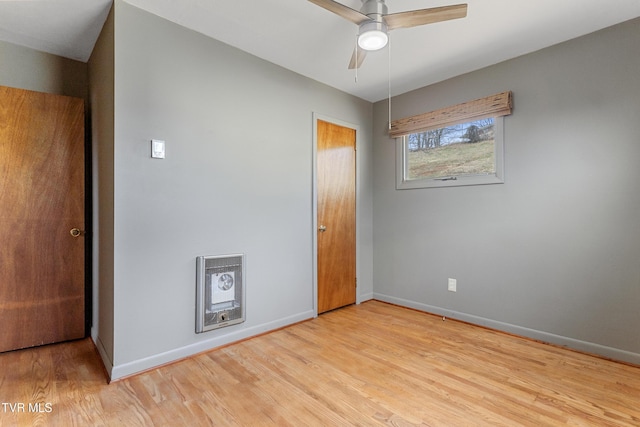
[140, 365]
[106, 361]
[583, 346]
[365, 297]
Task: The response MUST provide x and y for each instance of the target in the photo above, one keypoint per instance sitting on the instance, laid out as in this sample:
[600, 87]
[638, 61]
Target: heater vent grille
[219, 291]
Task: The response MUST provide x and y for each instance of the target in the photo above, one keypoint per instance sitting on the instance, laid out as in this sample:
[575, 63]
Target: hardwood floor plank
[370, 364]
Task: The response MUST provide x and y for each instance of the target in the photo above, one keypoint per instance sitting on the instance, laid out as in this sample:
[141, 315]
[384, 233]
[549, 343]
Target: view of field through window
[463, 149]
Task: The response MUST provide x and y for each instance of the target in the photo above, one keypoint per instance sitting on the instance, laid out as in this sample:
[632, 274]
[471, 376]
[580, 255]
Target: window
[454, 146]
[468, 153]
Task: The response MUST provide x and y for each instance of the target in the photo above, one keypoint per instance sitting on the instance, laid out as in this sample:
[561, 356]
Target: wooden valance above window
[490, 106]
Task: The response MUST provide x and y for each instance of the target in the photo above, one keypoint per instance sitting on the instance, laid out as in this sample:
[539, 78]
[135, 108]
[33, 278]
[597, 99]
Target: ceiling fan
[375, 22]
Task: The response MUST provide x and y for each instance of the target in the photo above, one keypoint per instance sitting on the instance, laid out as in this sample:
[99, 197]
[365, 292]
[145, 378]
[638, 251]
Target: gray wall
[101, 80]
[237, 178]
[554, 253]
[25, 68]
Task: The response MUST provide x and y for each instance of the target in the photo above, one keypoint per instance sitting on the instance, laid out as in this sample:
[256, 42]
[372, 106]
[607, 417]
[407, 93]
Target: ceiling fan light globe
[373, 40]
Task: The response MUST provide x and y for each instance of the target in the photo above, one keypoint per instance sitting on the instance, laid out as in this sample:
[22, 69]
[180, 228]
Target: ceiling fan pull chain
[389, 47]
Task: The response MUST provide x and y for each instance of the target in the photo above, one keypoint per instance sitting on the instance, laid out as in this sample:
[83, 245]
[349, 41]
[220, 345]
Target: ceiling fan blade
[413, 18]
[361, 55]
[342, 10]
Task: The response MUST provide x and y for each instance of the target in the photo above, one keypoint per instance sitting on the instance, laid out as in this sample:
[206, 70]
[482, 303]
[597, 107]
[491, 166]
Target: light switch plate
[157, 149]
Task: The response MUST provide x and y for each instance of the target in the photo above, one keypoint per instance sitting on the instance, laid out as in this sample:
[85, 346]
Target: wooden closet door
[41, 201]
[336, 166]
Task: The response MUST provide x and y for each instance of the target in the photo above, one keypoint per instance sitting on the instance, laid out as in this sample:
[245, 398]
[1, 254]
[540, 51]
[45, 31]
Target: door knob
[76, 232]
[322, 229]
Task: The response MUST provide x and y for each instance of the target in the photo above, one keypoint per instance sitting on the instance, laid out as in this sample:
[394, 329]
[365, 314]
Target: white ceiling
[66, 28]
[309, 40]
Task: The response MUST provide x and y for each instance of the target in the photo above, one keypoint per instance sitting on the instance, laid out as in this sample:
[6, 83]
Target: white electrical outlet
[452, 285]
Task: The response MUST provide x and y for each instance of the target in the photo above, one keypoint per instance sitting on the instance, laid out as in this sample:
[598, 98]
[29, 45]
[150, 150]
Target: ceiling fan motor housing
[372, 34]
[374, 9]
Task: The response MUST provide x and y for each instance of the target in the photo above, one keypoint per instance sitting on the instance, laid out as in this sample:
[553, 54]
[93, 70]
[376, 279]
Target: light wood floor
[372, 364]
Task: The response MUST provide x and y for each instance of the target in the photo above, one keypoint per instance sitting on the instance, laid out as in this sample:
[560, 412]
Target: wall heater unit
[219, 291]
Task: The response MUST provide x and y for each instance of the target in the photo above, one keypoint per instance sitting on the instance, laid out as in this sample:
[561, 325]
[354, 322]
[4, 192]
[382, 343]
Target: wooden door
[41, 201]
[336, 174]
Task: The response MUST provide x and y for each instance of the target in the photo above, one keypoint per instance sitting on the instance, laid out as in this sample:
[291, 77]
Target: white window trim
[402, 183]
